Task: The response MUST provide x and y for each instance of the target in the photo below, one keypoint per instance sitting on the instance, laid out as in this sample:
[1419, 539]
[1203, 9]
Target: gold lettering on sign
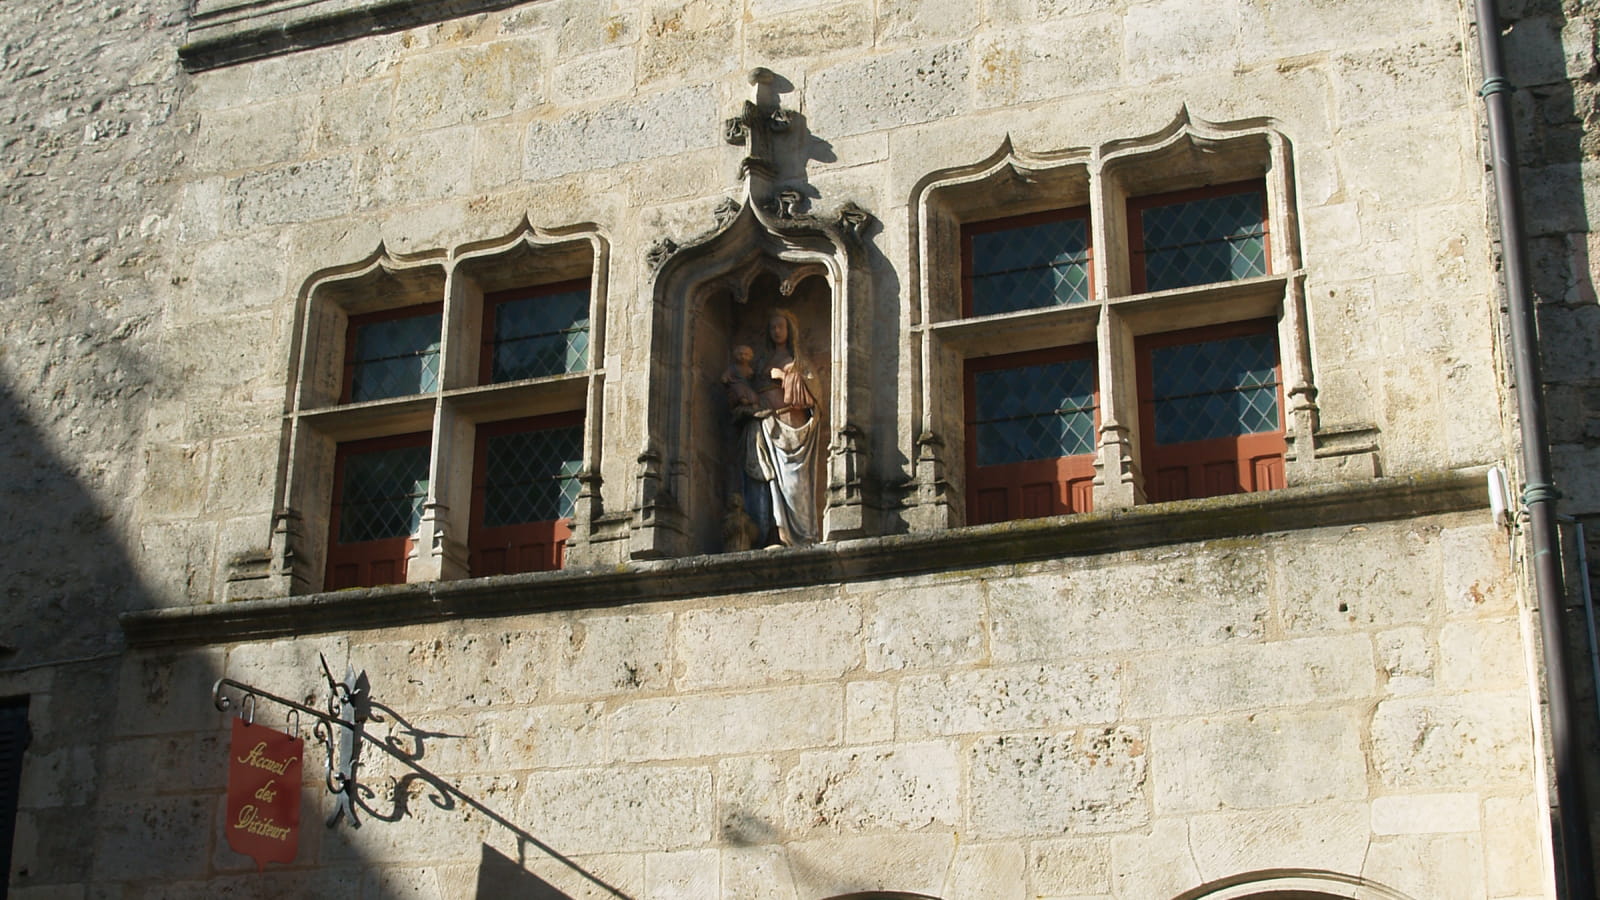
[250, 821]
[258, 758]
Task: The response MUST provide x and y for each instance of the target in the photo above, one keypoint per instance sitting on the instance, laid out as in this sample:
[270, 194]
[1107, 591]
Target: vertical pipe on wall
[1576, 866]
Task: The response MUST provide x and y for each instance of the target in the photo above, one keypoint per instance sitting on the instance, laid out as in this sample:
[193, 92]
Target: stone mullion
[440, 552]
[1116, 482]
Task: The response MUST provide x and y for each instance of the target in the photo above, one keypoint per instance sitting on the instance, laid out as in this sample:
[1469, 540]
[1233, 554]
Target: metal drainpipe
[1539, 495]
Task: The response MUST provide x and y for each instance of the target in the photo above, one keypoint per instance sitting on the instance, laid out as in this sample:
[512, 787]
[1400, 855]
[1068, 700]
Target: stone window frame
[1189, 153]
[316, 422]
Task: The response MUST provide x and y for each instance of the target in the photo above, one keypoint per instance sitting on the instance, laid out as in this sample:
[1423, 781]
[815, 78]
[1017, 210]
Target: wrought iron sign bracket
[339, 730]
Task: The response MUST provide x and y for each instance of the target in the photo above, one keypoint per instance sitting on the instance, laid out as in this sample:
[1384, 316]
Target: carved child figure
[736, 380]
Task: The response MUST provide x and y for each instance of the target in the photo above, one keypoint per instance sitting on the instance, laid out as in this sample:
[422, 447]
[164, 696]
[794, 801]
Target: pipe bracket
[1535, 492]
[1496, 85]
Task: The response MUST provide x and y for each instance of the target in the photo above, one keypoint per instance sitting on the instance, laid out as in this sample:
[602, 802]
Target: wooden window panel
[567, 344]
[521, 546]
[366, 562]
[1074, 273]
[352, 364]
[1231, 464]
[1139, 206]
[1030, 488]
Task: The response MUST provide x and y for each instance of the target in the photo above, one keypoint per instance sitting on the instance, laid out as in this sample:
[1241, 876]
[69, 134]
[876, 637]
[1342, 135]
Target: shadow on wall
[66, 571]
[66, 574]
[500, 876]
[1553, 60]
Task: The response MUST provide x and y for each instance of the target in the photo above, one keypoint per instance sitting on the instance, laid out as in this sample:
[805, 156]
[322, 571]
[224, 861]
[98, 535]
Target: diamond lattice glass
[542, 335]
[1030, 267]
[396, 358]
[532, 476]
[382, 494]
[1216, 388]
[1204, 241]
[1034, 412]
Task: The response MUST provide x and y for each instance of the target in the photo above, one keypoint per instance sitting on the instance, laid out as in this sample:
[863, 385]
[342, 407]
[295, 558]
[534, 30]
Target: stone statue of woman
[778, 435]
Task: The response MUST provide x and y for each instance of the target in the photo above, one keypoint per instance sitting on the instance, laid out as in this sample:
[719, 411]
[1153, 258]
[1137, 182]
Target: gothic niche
[754, 404]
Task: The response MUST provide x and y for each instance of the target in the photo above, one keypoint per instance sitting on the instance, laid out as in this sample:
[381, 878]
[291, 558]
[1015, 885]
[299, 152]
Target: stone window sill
[1020, 541]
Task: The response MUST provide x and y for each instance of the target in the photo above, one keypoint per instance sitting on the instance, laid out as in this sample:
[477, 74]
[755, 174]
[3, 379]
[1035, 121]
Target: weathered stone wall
[1125, 725]
[92, 135]
[1342, 699]
[578, 111]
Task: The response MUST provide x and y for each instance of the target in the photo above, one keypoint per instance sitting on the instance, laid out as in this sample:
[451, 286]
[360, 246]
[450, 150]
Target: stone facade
[1330, 688]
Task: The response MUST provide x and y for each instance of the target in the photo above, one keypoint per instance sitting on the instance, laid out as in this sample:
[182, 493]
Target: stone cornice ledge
[1242, 515]
[222, 32]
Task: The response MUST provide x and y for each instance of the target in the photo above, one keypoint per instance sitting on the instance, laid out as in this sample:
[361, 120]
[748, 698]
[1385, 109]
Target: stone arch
[759, 255]
[1293, 884]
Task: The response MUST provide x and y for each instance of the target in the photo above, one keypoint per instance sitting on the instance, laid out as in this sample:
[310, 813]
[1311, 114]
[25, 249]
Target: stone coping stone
[222, 32]
[978, 547]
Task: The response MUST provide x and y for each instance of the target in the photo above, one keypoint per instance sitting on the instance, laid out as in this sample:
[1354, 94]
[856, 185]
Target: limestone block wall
[1127, 725]
[581, 111]
[1346, 700]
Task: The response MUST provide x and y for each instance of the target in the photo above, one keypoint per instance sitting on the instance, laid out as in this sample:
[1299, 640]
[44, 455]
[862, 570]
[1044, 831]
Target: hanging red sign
[263, 818]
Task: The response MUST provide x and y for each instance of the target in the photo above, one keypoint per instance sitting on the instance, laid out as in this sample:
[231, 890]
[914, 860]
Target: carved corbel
[735, 131]
[660, 252]
[788, 203]
[934, 505]
[657, 525]
[588, 508]
[437, 555]
[726, 212]
[846, 513]
[854, 221]
[800, 273]
[288, 571]
[1118, 482]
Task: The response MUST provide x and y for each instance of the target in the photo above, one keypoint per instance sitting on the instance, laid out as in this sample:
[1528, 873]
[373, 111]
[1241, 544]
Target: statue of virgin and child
[773, 401]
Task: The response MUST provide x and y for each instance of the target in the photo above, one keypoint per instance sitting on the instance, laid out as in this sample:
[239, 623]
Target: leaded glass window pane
[542, 335]
[395, 358]
[1034, 412]
[1215, 389]
[532, 476]
[1030, 267]
[383, 493]
[1204, 241]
